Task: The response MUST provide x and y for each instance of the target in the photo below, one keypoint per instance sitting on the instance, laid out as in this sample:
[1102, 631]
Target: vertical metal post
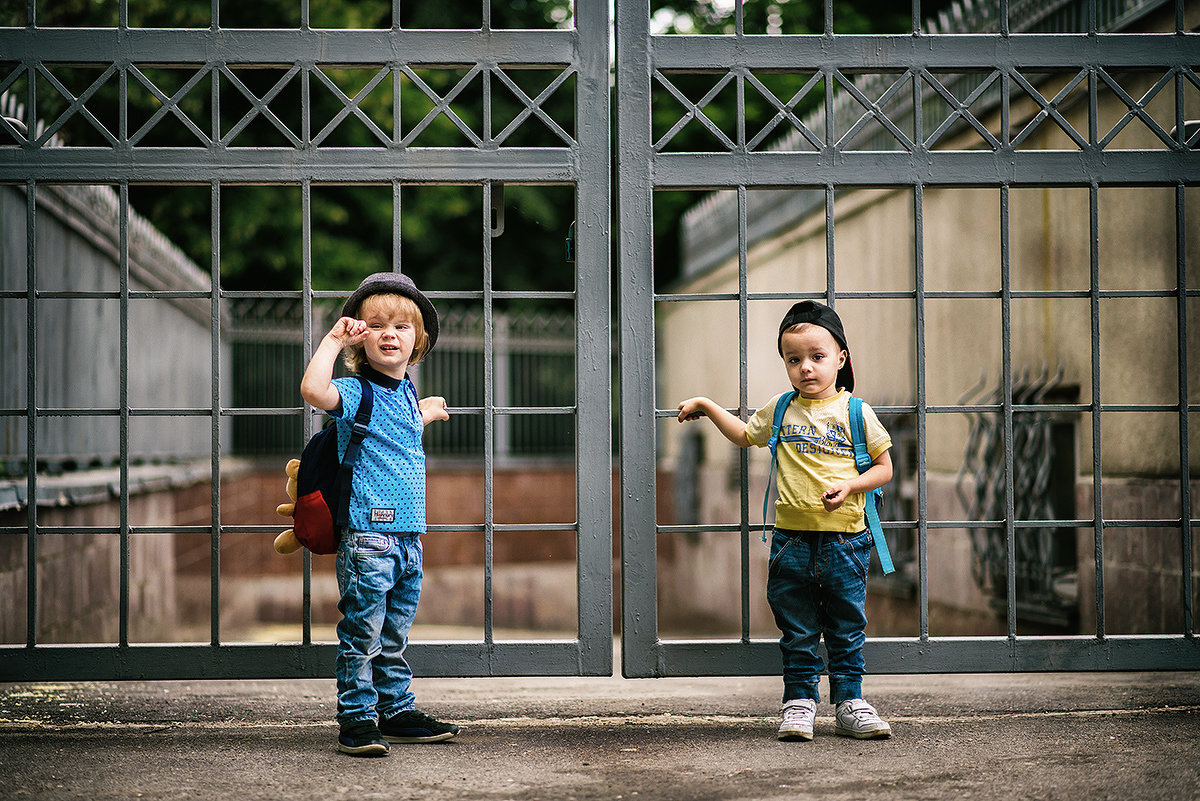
[31, 410]
[744, 411]
[309, 425]
[922, 486]
[214, 598]
[489, 424]
[1010, 539]
[640, 650]
[1185, 499]
[1096, 405]
[830, 274]
[215, 487]
[594, 342]
[123, 405]
[397, 219]
[215, 402]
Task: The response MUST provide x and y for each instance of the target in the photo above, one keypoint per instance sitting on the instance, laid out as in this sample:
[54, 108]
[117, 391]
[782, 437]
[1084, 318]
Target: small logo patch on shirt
[383, 515]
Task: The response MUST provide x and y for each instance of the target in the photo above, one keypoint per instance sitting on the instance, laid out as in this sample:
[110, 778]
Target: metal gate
[827, 160]
[120, 153]
[894, 87]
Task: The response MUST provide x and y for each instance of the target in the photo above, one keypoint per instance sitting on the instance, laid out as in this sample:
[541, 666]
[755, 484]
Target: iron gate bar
[274, 47]
[31, 550]
[581, 55]
[1097, 471]
[899, 52]
[885, 169]
[288, 166]
[1185, 501]
[645, 168]
[1006, 404]
[921, 396]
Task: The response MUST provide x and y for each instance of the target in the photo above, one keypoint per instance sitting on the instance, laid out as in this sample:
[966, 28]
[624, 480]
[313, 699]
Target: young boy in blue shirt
[820, 550]
[386, 325]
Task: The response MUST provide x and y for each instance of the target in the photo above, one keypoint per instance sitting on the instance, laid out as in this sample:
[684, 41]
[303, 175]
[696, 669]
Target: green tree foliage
[759, 17]
[352, 234]
[441, 227]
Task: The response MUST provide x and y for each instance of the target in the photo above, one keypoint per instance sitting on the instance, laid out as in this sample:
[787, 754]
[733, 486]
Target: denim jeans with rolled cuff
[379, 576]
[817, 586]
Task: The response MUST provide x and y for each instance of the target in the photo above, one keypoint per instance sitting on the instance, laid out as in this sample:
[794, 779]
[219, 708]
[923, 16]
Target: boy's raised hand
[349, 331]
[433, 408]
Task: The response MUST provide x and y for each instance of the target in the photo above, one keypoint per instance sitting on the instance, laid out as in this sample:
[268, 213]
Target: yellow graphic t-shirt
[813, 453]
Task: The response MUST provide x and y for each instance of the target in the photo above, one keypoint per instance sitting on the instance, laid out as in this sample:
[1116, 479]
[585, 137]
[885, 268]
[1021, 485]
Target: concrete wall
[78, 340]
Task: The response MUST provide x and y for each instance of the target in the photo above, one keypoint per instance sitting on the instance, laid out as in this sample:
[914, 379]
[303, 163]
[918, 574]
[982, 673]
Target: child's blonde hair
[389, 305]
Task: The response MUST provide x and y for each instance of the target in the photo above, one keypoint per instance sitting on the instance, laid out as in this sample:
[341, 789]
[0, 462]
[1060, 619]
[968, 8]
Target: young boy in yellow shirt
[820, 550]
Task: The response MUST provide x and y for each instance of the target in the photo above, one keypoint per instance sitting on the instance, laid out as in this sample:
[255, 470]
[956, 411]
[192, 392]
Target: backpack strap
[862, 460]
[362, 418]
[785, 400]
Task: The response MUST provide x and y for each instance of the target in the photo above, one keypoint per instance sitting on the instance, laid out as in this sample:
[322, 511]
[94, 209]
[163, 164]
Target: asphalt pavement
[1044, 736]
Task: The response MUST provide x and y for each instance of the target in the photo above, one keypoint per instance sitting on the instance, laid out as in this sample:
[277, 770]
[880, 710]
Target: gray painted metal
[582, 160]
[823, 163]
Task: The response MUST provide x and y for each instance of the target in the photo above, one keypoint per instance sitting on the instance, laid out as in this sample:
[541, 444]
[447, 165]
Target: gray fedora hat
[394, 284]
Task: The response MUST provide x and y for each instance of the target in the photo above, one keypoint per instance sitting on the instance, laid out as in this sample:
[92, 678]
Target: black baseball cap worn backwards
[810, 311]
[394, 284]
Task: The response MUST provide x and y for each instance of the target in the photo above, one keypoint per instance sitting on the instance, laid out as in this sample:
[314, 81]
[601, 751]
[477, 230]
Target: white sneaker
[798, 717]
[856, 718]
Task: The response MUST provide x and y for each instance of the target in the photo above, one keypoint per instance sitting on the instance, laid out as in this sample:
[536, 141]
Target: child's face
[812, 357]
[391, 337]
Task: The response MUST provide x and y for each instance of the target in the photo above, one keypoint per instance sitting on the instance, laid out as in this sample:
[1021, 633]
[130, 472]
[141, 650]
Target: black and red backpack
[324, 482]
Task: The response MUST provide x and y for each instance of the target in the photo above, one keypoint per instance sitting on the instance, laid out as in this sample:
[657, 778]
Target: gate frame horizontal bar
[199, 165]
[884, 655]
[898, 655]
[248, 47]
[885, 52]
[699, 171]
[896, 52]
[1007, 166]
[288, 661]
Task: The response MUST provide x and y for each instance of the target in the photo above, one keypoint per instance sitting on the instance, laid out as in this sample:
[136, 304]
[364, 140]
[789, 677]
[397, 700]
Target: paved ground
[1055, 736]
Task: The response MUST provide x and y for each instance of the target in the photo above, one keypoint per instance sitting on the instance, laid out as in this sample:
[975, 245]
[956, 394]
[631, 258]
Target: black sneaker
[362, 738]
[414, 726]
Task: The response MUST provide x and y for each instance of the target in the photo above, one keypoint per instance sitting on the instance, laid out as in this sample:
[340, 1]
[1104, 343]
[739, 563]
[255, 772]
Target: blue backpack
[862, 460]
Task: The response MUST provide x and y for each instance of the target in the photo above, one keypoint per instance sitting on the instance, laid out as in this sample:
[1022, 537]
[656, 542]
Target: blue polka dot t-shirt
[389, 476]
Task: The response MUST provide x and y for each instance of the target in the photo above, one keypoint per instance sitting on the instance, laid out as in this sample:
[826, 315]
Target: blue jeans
[817, 585]
[379, 576]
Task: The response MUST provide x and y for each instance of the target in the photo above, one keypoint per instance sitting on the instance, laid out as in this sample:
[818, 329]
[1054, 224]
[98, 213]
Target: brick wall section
[1143, 567]
[454, 496]
[247, 499]
[534, 580]
[528, 495]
